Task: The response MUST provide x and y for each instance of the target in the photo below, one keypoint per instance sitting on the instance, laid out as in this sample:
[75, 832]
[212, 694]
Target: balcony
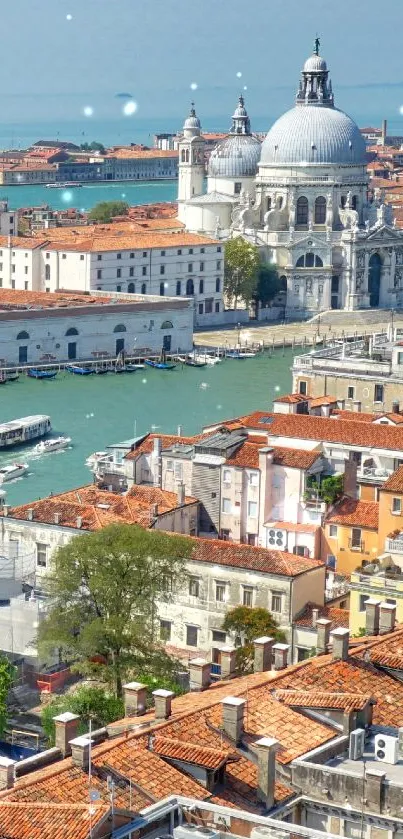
[394, 546]
[374, 475]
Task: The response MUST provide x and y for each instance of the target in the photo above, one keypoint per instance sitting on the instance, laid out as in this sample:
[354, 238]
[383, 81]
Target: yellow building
[350, 535]
[391, 514]
[381, 584]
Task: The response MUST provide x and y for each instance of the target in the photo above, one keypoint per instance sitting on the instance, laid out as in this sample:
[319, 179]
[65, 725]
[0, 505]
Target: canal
[98, 410]
[85, 197]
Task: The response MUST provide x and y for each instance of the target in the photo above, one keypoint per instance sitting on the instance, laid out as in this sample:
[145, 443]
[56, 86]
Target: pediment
[308, 242]
[385, 234]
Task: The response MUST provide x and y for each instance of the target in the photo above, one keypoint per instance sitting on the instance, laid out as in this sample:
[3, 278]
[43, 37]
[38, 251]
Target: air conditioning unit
[356, 745]
[194, 831]
[386, 748]
[277, 539]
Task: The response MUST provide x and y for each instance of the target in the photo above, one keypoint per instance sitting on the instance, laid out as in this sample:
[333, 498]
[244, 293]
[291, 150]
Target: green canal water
[99, 410]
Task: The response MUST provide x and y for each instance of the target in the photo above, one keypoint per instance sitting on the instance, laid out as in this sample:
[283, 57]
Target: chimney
[79, 522]
[315, 616]
[56, 518]
[199, 674]
[80, 752]
[266, 456]
[66, 728]
[7, 773]
[263, 654]
[233, 709]
[387, 617]
[322, 634]
[163, 703]
[280, 656]
[154, 511]
[341, 640]
[5, 509]
[156, 462]
[384, 131]
[180, 431]
[266, 770]
[135, 697]
[181, 494]
[228, 662]
[30, 514]
[357, 406]
[371, 616]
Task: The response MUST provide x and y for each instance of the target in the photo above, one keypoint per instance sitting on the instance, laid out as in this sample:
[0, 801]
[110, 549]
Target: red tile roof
[189, 752]
[291, 399]
[395, 482]
[355, 513]
[318, 401]
[285, 564]
[340, 618]
[49, 821]
[293, 527]
[318, 699]
[333, 430]
[248, 456]
[167, 440]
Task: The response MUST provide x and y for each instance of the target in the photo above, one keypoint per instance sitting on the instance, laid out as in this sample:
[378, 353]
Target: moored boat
[79, 371]
[189, 361]
[34, 373]
[52, 445]
[12, 377]
[239, 355]
[160, 365]
[204, 358]
[12, 470]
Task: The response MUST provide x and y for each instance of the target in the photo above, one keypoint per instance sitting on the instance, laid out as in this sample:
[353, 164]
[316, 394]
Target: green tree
[329, 489]
[246, 624]
[94, 146]
[268, 284]
[105, 211]
[7, 672]
[89, 703]
[103, 589]
[240, 271]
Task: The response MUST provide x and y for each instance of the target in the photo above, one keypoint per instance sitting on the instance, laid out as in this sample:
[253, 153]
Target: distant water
[85, 197]
[99, 410]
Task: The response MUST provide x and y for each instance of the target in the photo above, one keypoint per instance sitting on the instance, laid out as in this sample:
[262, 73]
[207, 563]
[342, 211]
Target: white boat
[204, 358]
[11, 471]
[94, 459]
[54, 445]
[24, 430]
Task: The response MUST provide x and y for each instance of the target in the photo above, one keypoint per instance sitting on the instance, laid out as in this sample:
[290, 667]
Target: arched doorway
[374, 279]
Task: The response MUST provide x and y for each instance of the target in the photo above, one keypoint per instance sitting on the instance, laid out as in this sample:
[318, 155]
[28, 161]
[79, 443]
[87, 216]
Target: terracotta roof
[189, 752]
[317, 699]
[116, 228]
[334, 430]
[98, 508]
[354, 416]
[291, 399]
[350, 511]
[395, 482]
[167, 440]
[248, 456]
[125, 153]
[16, 299]
[48, 821]
[233, 554]
[293, 527]
[322, 400]
[339, 617]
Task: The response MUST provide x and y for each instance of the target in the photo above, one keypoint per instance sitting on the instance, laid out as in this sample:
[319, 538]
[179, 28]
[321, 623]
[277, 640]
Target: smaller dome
[192, 122]
[236, 157]
[315, 64]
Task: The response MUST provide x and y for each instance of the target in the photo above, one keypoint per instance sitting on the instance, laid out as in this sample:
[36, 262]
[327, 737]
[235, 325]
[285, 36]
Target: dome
[192, 126]
[236, 157]
[315, 64]
[314, 135]
[191, 122]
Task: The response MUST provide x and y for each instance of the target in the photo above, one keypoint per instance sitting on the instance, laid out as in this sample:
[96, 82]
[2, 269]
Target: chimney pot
[266, 762]
[387, 617]
[7, 773]
[79, 522]
[233, 709]
[57, 518]
[263, 653]
[280, 656]
[163, 703]
[315, 616]
[30, 514]
[179, 431]
[135, 698]
[322, 634]
[154, 511]
[199, 674]
[341, 641]
[80, 752]
[228, 662]
[66, 728]
[371, 616]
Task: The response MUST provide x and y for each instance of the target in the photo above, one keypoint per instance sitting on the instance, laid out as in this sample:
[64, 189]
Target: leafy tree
[94, 146]
[247, 624]
[103, 590]
[105, 211]
[268, 284]
[89, 703]
[6, 679]
[241, 271]
[329, 489]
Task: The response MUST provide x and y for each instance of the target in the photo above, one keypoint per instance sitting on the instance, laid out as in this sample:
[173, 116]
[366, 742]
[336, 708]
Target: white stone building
[164, 264]
[38, 328]
[302, 197]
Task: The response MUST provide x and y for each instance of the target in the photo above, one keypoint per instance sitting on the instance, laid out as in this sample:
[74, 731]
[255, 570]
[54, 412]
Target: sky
[60, 56]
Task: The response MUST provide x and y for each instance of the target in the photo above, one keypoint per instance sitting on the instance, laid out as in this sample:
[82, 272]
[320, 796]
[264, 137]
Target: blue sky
[155, 49]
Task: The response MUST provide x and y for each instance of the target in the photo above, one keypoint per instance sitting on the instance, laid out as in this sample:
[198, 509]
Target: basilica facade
[302, 197]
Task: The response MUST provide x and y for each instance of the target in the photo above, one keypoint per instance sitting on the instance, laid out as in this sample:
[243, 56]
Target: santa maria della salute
[302, 197]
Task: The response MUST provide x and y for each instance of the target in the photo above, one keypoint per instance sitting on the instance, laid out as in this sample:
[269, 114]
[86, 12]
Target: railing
[215, 669]
[394, 545]
[360, 546]
[372, 473]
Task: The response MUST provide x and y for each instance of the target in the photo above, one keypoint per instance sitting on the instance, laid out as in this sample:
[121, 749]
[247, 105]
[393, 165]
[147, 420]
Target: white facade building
[302, 198]
[8, 220]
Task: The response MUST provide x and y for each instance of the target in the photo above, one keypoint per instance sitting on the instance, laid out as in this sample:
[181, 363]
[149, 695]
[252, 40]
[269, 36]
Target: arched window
[143, 288]
[120, 328]
[118, 288]
[23, 336]
[183, 156]
[320, 210]
[162, 289]
[190, 289]
[302, 210]
[47, 272]
[130, 288]
[268, 203]
[72, 331]
[217, 285]
[283, 283]
[309, 260]
[187, 155]
[167, 324]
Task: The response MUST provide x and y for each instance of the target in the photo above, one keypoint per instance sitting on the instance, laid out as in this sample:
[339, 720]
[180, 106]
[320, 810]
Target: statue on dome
[317, 45]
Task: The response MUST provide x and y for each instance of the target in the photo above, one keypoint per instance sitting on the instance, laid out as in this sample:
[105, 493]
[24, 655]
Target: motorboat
[204, 358]
[94, 458]
[79, 371]
[64, 185]
[52, 445]
[24, 430]
[34, 373]
[189, 361]
[100, 371]
[130, 368]
[160, 365]
[239, 355]
[11, 471]
[12, 377]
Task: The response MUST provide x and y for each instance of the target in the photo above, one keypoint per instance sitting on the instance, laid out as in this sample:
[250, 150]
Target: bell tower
[191, 161]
